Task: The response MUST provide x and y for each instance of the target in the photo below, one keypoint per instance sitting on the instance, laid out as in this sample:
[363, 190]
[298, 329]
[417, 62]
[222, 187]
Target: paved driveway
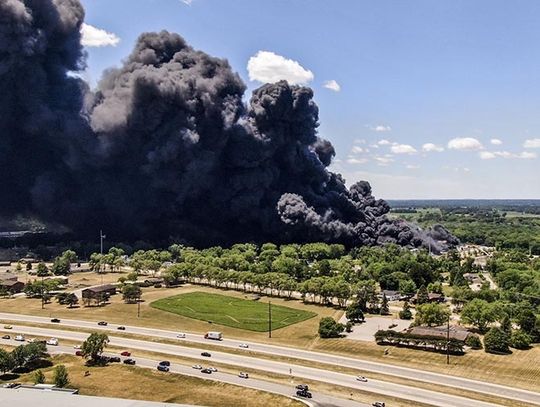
[366, 331]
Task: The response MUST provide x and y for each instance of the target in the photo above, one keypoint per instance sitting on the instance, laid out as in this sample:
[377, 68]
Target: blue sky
[412, 76]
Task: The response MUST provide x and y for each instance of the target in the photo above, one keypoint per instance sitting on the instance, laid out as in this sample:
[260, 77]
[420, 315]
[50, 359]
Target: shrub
[60, 376]
[496, 341]
[39, 377]
[474, 342]
[520, 340]
[329, 328]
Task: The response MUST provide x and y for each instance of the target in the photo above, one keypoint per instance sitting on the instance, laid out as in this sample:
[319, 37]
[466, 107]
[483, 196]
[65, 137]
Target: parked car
[114, 359]
[52, 342]
[213, 369]
[129, 361]
[162, 368]
[243, 345]
[6, 337]
[378, 404]
[125, 353]
[206, 354]
[79, 353]
[198, 367]
[121, 328]
[102, 323]
[302, 387]
[77, 347]
[19, 338]
[361, 379]
[11, 385]
[31, 340]
[207, 371]
[243, 375]
[303, 393]
[55, 320]
[165, 363]
[8, 327]
[181, 335]
[105, 359]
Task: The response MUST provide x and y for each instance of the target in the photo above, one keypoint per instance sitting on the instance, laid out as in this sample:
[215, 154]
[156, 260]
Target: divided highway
[331, 359]
[247, 363]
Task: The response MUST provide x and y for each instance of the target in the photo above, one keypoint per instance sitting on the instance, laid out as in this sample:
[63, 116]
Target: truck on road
[217, 336]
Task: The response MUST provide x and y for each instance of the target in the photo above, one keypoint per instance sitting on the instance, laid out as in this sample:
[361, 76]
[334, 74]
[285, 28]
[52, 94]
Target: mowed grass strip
[230, 311]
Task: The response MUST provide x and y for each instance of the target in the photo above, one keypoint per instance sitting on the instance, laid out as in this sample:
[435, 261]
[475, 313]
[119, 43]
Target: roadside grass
[301, 334]
[230, 311]
[521, 369]
[131, 382]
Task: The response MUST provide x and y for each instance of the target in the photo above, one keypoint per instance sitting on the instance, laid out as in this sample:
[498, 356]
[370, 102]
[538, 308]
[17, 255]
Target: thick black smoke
[165, 147]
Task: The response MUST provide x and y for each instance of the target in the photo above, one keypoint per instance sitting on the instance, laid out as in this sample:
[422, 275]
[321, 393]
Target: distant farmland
[230, 311]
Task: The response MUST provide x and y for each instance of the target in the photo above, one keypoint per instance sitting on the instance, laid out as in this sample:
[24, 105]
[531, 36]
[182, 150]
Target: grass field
[230, 311]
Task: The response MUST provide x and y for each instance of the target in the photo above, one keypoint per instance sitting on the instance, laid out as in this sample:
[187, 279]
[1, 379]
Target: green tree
[407, 287]
[6, 361]
[93, 346]
[520, 340]
[131, 293]
[431, 314]
[71, 300]
[61, 266]
[496, 341]
[39, 377]
[527, 320]
[329, 328]
[354, 313]
[422, 296]
[405, 313]
[42, 270]
[506, 324]
[473, 341]
[478, 313]
[29, 266]
[385, 310]
[60, 376]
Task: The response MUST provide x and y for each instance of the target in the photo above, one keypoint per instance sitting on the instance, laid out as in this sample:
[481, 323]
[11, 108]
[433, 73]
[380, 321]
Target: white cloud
[403, 149]
[383, 142]
[357, 150]
[383, 161]
[412, 167]
[268, 67]
[496, 141]
[354, 160]
[332, 85]
[380, 128]
[532, 143]
[360, 141]
[527, 155]
[465, 143]
[428, 147]
[96, 37]
[486, 155]
[188, 2]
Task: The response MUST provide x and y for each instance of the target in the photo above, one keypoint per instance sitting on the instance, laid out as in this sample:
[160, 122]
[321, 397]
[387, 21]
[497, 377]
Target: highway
[249, 363]
[330, 359]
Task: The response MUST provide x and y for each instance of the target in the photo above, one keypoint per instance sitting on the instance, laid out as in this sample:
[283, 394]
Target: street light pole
[269, 318]
[448, 341]
[101, 237]
[139, 306]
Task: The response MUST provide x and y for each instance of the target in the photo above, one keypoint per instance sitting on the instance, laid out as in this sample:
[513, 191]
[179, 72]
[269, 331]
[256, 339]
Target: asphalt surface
[246, 363]
[331, 359]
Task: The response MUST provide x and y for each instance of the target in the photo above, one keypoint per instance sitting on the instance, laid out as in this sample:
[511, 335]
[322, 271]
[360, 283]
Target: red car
[125, 353]
[79, 353]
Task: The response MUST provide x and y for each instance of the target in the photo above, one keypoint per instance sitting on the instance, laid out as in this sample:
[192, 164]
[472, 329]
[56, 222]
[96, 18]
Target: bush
[474, 342]
[406, 312]
[520, 340]
[39, 377]
[496, 341]
[60, 376]
[329, 328]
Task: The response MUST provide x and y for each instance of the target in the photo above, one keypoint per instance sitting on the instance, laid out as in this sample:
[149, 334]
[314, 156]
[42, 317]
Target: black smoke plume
[166, 147]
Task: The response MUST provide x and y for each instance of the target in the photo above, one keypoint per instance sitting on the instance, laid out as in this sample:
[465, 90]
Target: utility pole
[42, 293]
[269, 318]
[448, 341]
[139, 306]
[101, 237]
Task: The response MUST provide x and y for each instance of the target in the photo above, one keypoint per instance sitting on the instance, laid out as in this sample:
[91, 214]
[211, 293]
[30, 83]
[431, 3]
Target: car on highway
[198, 367]
[243, 375]
[102, 323]
[125, 353]
[243, 345]
[52, 342]
[6, 337]
[121, 328]
[162, 368]
[303, 393]
[77, 347]
[206, 354]
[181, 335]
[79, 353]
[114, 359]
[129, 361]
[8, 327]
[165, 363]
[378, 404]
[19, 338]
[361, 379]
[302, 387]
[55, 320]
[213, 369]
[207, 371]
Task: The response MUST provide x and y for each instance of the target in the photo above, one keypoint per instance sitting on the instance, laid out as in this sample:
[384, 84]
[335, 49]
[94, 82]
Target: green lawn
[230, 311]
